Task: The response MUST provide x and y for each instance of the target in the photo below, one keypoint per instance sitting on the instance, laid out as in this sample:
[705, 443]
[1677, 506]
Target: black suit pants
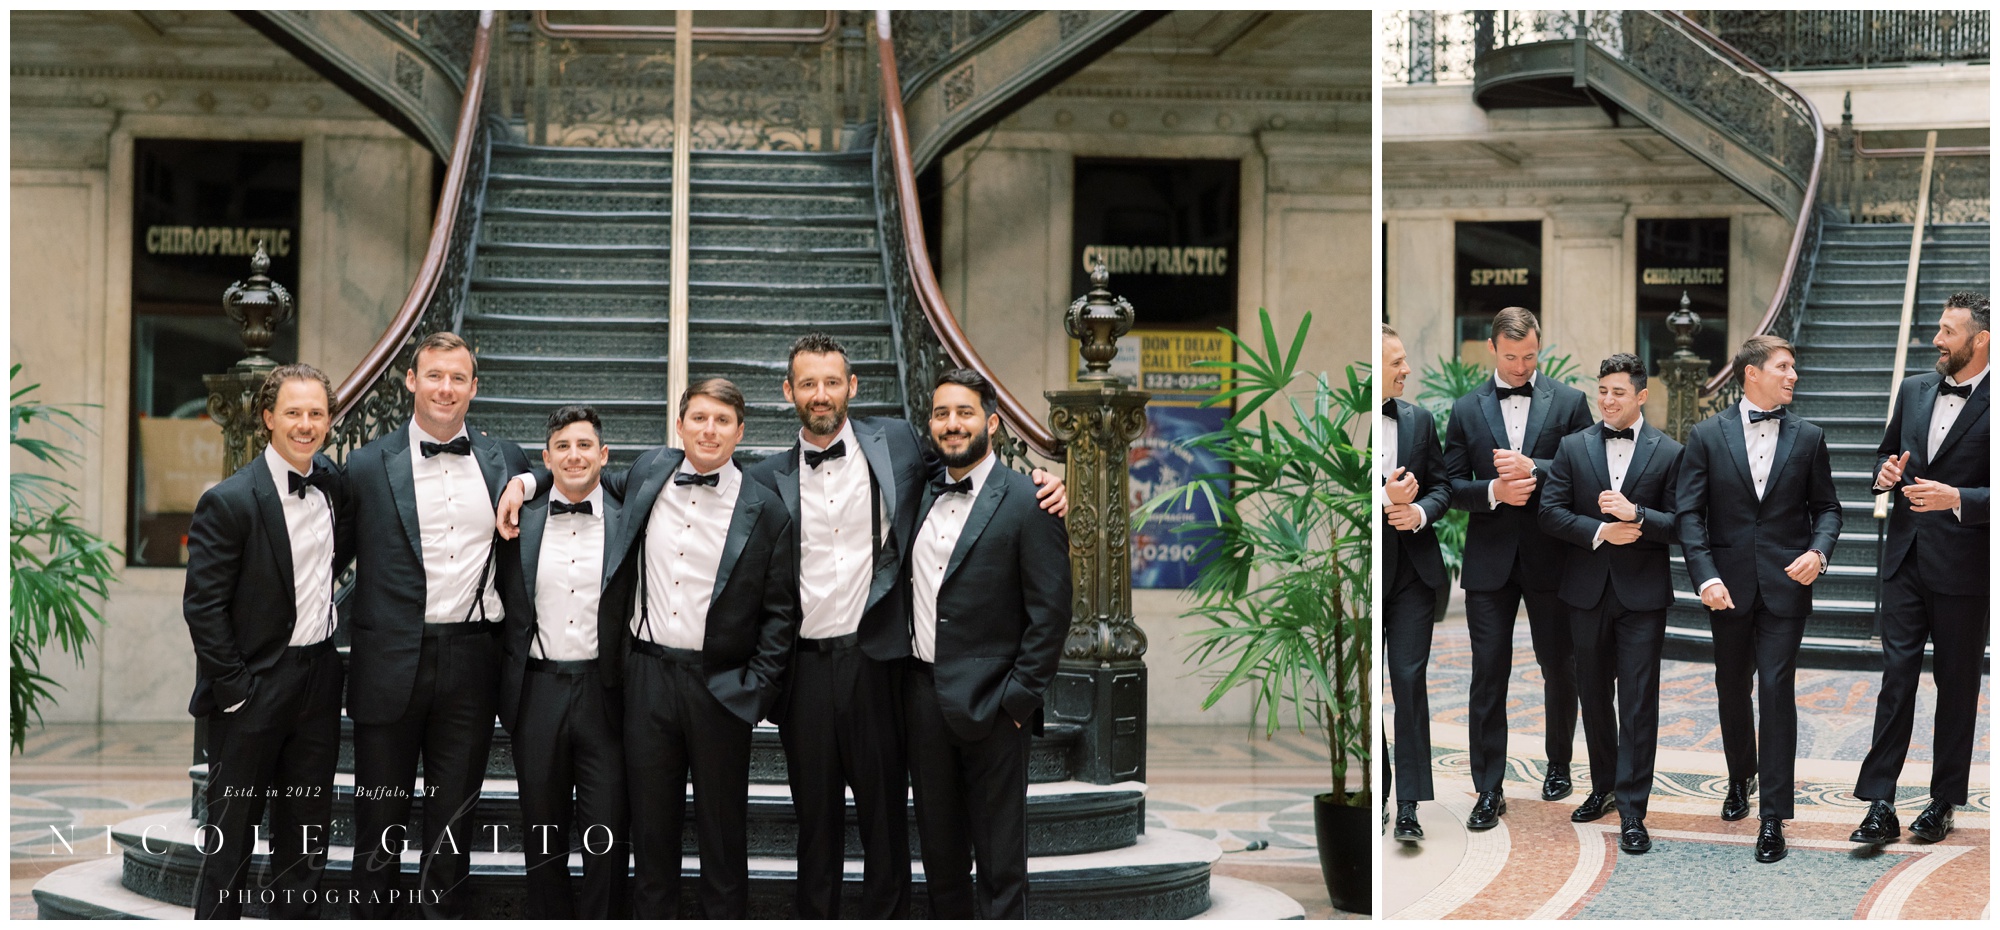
[972, 805]
[1618, 650]
[449, 724]
[279, 747]
[570, 739]
[1756, 644]
[1489, 622]
[843, 731]
[1406, 634]
[1956, 626]
[674, 729]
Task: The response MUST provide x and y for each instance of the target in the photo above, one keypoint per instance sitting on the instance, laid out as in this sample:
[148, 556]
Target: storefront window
[199, 208]
[1498, 265]
[1688, 256]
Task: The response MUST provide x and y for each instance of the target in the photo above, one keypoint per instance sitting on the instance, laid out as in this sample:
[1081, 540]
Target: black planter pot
[1346, 842]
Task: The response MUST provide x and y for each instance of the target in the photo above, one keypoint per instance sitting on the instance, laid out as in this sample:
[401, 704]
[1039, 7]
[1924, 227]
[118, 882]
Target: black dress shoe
[1934, 824]
[1771, 840]
[1879, 827]
[1557, 786]
[1595, 805]
[1736, 803]
[1486, 811]
[1407, 828]
[1632, 835]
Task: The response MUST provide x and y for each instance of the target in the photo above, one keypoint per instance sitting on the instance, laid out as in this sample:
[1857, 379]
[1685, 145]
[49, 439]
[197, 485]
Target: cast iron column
[1683, 373]
[1102, 683]
[259, 306]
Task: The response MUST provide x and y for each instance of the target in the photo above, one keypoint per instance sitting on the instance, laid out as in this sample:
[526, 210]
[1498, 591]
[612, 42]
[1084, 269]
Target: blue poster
[1162, 460]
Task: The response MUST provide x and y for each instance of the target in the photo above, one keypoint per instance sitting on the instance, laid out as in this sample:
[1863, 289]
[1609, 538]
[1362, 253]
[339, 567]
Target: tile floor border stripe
[1486, 855]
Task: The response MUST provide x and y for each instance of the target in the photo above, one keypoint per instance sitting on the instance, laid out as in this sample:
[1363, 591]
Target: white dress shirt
[836, 539]
[309, 527]
[455, 528]
[569, 580]
[1617, 458]
[1944, 414]
[1514, 411]
[1388, 437]
[684, 537]
[932, 554]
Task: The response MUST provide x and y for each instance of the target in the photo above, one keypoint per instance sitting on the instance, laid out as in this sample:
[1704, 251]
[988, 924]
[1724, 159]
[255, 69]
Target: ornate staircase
[556, 262]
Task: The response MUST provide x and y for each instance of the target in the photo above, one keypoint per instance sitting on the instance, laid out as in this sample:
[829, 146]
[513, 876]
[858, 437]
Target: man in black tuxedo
[1610, 496]
[1757, 519]
[717, 612]
[1935, 571]
[425, 663]
[262, 555]
[1415, 495]
[1498, 448]
[989, 593]
[559, 694]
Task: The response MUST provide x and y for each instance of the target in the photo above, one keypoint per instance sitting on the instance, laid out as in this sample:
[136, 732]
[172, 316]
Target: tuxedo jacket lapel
[1739, 453]
[742, 522]
[396, 467]
[649, 475]
[271, 511]
[1496, 423]
[1600, 458]
[1917, 424]
[1642, 453]
[1538, 412]
[1788, 435]
[788, 488]
[491, 465]
[876, 447]
[1975, 407]
[976, 521]
[534, 521]
[1406, 436]
[614, 524]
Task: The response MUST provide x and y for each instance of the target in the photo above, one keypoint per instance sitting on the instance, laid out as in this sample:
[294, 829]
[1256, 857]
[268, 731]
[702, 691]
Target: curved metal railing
[903, 239]
[368, 402]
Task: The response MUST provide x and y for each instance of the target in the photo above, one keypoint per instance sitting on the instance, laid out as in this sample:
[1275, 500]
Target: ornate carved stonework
[1098, 427]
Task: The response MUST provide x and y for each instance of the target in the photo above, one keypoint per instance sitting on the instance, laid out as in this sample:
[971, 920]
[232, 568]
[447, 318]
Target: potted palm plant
[1286, 580]
[61, 570]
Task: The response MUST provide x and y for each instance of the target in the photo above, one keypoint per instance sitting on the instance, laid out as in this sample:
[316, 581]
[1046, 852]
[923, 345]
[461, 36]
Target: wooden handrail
[376, 363]
[820, 33]
[929, 296]
[1907, 320]
[1806, 206]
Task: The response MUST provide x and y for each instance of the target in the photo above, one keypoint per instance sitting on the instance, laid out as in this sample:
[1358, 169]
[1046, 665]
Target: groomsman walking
[1498, 448]
[1936, 574]
[262, 555]
[1757, 521]
[1610, 496]
[1415, 495]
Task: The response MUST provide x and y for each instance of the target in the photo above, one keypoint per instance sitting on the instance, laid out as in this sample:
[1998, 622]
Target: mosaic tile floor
[1215, 782]
[1537, 864]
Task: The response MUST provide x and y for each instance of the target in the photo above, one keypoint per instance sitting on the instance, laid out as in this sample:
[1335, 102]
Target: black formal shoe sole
[1873, 839]
[1930, 836]
[1767, 858]
[1411, 837]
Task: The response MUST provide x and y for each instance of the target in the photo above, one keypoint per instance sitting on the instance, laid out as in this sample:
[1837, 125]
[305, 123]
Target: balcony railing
[1794, 40]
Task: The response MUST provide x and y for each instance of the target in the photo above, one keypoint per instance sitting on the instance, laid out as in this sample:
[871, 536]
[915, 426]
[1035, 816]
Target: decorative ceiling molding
[1169, 92]
[119, 73]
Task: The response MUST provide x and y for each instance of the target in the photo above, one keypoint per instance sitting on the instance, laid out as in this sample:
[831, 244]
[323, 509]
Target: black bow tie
[1610, 433]
[558, 508]
[836, 451]
[1759, 416]
[1956, 390]
[298, 483]
[460, 446]
[1525, 390]
[941, 487]
[1389, 407]
[713, 480]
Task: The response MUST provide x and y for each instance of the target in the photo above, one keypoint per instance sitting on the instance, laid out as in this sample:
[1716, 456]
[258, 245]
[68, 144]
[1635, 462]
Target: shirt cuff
[1955, 514]
[1492, 496]
[1423, 518]
[1705, 585]
[527, 479]
[236, 707]
[1597, 538]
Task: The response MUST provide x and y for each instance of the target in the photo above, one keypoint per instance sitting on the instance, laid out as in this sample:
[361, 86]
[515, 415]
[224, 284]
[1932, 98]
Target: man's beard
[825, 425]
[1956, 360]
[974, 451]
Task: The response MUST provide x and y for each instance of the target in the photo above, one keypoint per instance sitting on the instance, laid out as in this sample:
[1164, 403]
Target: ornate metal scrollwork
[1784, 40]
[447, 35]
[1097, 427]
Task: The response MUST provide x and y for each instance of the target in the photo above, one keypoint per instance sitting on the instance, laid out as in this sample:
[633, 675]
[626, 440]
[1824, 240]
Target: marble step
[1900, 232]
[703, 304]
[1063, 817]
[1164, 875]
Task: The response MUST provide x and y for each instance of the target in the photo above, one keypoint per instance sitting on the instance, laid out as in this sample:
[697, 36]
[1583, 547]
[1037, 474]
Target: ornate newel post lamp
[1683, 372]
[259, 306]
[1101, 686]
